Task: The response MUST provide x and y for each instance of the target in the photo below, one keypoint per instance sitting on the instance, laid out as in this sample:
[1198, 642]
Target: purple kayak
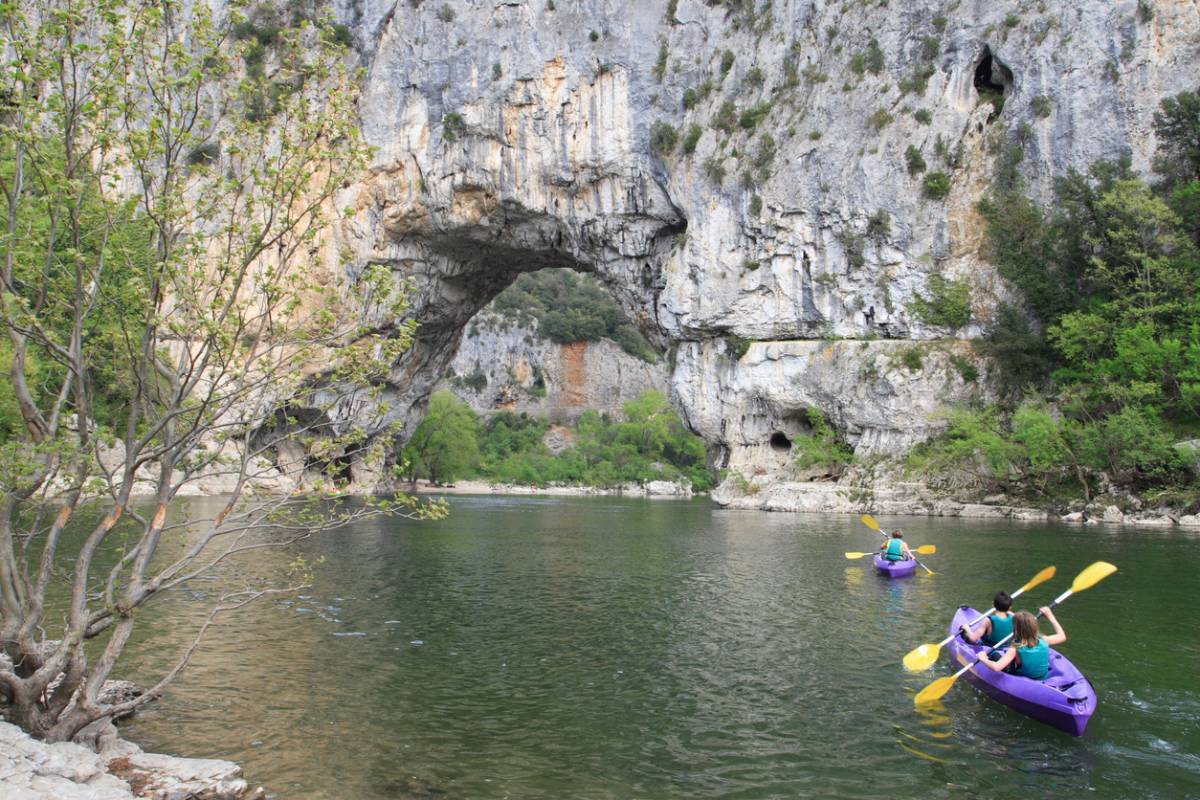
[1065, 700]
[895, 569]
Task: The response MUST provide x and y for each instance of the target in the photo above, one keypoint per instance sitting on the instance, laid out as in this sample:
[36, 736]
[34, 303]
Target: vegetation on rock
[650, 443]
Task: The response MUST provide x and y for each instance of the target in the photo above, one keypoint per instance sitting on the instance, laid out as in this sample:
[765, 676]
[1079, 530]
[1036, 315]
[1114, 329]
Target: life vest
[1001, 628]
[895, 550]
[1035, 661]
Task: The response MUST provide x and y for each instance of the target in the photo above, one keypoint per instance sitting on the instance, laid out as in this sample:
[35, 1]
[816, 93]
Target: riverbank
[104, 766]
[900, 498]
[656, 489]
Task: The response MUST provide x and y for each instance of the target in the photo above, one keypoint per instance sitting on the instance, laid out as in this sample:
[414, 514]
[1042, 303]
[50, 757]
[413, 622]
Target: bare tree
[168, 174]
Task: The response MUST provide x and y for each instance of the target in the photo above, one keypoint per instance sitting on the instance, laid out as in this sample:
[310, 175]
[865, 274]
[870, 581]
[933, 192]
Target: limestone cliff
[514, 135]
[506, 365]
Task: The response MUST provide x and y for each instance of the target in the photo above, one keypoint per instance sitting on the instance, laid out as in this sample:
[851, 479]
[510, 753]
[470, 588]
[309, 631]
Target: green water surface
[617, 648]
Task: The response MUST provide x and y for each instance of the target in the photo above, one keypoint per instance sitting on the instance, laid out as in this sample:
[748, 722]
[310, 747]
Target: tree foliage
[649, 443]
[158, 321]
[1110, 277]
[570, 307]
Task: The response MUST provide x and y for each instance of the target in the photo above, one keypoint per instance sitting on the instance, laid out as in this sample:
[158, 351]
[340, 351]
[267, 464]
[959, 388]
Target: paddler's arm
[1059, 636]
[1002, 664]
[971, 636]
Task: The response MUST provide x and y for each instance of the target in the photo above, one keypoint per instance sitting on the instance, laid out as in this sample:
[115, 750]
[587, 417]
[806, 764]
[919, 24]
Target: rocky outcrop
[117, 770]
[502, 364]
[782, 202]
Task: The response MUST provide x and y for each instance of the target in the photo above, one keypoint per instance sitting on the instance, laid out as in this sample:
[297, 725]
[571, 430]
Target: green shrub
[660, 66]
[814, 135]
[446, 14]
[948, 304]
[497, 71]
[813, 74]
[726, 118]
[570, 307]
[914, 160]
[766, 154]
[930, 47]
[714, 167]
[939, 22]
[1042, 106]
[736, 346]
[663, 138]
[966, 368]
[918, 81]
[690, 98]
[453, 126]
[910, 358]
[755, 78]
[923, 116]
[756, 206]
[879, 225]
[754, 115]
[727, 59]
[823, 447]
[206, 153]
[936, 185]
[1012, 21]
[594, 36]
[691, 138]
[880, 119]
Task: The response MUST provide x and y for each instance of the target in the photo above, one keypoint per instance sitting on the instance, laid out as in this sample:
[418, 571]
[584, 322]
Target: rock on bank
[110, 769]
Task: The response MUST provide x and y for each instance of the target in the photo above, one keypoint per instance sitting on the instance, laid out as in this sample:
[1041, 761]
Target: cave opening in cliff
[780, 443]
[992, 82]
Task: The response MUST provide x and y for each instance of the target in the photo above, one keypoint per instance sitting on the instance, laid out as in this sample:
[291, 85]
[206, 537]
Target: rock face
[33, 770]
[781, 203]
[502, 365]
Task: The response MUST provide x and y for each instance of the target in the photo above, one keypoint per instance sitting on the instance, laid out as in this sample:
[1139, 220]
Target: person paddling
[895, 548]
[1029, 655]
[996, 627]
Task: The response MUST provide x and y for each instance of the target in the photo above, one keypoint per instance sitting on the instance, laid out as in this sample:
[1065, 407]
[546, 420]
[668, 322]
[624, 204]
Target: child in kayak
[896, 549]
[996, 627]
[1029, 653]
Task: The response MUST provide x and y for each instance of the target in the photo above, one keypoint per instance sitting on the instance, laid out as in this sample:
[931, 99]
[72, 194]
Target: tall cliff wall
[515, 135]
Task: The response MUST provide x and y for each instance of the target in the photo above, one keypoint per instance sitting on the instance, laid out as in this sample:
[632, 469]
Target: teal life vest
[1001, 628]
[1035, 661]
[895, 550]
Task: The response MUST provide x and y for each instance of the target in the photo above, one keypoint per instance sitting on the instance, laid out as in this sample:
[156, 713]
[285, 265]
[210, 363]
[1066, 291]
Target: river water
[621, 648]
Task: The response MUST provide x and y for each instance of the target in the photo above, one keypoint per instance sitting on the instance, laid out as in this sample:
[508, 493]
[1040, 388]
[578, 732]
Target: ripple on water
[623, 649]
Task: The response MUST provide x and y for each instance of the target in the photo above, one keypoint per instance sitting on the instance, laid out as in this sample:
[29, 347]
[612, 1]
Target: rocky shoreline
[898, 498]
[102, 766]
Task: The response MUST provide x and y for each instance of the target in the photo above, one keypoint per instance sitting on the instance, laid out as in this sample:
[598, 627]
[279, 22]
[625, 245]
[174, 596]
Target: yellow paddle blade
[856, 555]
[935, 691]
[870, 522]
[1092, 575]
[1041, 577]
[927, 549]
[922, 657]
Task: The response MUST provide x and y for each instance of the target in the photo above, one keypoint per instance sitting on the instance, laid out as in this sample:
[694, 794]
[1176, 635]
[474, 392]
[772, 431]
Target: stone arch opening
[553, 343]
[993, 81]
[780, 442]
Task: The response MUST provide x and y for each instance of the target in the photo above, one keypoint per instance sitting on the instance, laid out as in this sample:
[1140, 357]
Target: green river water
[619, 648]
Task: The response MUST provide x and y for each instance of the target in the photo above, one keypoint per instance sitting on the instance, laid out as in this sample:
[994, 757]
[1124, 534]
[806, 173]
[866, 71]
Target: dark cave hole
[780, 443]
[992, 81]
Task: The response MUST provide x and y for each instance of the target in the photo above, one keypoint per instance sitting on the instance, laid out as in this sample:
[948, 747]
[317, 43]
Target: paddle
[1084, 580]
[870, 522]
[924, 656]
[925, 550]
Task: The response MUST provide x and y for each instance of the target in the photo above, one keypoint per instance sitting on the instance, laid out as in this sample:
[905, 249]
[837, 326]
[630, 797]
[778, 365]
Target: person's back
[1029, 654]
[999, 625]
[895, 549]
